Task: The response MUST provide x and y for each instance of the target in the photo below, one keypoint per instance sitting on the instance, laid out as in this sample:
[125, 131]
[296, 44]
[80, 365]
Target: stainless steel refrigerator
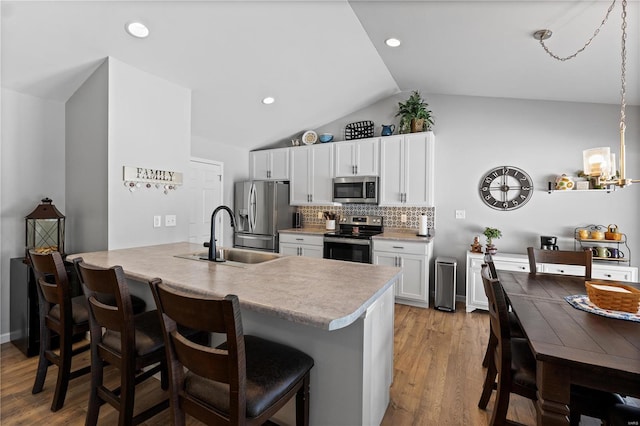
[261, 208]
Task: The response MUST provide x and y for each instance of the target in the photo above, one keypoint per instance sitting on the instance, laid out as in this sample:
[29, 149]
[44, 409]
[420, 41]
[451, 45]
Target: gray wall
[32, 164]
[545, 139]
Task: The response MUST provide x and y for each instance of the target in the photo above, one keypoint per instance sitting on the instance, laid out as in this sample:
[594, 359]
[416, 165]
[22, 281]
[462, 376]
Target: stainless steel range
[352, 240]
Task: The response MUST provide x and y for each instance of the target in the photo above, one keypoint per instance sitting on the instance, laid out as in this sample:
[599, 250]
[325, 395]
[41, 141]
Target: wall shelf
[609, 189]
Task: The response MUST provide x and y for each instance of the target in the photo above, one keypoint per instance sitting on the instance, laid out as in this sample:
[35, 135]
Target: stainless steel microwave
[356, 190]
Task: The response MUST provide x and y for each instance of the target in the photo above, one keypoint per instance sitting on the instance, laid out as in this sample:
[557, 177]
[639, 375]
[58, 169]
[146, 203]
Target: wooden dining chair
[514, 367]
[514, 324]
[513, 363]
[62, 315]
[564, 257]
[243, 381]
[129, 342]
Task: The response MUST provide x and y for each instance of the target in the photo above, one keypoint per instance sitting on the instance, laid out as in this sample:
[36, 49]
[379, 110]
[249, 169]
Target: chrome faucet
[212, 241]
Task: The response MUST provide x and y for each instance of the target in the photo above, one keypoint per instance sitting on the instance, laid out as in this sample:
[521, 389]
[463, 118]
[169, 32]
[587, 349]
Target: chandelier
[599, 163]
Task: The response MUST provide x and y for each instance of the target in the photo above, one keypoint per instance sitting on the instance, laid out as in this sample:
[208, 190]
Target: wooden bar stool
[130, 343]
[244, 381]
[61, 314]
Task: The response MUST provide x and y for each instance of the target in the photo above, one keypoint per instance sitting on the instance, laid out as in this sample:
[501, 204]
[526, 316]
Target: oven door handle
[353, 241]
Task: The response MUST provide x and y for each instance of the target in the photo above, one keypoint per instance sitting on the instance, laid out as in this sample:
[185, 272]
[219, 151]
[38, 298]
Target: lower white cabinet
[413, 257]
[476, 298]
[301, 245]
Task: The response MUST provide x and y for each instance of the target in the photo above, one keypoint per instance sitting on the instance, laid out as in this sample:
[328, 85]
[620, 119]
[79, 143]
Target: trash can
[445, 277]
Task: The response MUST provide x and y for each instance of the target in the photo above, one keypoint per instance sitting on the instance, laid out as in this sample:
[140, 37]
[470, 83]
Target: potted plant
[414, 115]
[491, 234]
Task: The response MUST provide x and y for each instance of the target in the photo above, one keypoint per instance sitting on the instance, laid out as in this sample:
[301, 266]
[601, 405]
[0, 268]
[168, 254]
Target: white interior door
[205, 194]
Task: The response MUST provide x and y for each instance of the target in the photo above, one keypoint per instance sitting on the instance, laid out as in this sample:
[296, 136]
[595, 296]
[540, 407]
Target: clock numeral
[526, 188]
[488, 180]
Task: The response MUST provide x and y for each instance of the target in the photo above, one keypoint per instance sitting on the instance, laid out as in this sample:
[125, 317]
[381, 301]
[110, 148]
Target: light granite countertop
[323, 293]
[397, 234]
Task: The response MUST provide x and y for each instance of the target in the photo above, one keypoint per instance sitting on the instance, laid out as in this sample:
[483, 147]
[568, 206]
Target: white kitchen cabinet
[269, 164]
[476, 298]
[407, 165]
[358, 158]
[301, 245]
[311, 175]
[413, 257]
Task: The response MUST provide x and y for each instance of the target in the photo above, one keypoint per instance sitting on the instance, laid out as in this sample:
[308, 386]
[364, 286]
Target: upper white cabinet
[407, 169]
[358, 158]
[269, 164]
[311, 175]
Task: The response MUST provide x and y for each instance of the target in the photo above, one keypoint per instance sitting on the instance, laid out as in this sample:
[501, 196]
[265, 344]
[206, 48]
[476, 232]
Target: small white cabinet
[301, 245]
[413, 257]
[407, 165]
[359, 158]
[269, 164]
[476, 298]
[311, 175]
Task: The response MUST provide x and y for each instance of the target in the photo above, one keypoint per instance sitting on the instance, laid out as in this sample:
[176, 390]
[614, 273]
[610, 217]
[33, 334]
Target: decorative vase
[491, 249]
[417, 125]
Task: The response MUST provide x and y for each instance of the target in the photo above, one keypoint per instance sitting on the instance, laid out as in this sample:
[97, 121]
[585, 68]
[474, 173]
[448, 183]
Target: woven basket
[358, 130]
[613, 300]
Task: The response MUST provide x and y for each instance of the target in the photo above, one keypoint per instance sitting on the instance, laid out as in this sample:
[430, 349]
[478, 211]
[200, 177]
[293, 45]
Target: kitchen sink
[233, 256]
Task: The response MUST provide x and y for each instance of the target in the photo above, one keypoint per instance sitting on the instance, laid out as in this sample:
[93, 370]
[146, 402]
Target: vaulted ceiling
[321, 60]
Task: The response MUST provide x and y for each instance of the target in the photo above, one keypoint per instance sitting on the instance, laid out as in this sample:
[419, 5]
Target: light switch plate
[403, 218]
[460, 214]
[170, 220]
[157, 221]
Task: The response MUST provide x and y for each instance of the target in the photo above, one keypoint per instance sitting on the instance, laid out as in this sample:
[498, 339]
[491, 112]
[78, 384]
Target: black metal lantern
[45, 229]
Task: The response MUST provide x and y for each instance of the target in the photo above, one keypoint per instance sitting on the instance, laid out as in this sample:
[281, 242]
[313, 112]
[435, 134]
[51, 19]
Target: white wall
[236, 169]
[122, 116]
[32, 159]
[149, 126]
[545, 139]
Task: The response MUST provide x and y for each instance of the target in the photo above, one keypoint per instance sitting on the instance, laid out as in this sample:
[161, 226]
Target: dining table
[571, 346]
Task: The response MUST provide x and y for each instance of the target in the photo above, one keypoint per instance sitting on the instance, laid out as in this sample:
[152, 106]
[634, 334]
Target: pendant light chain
[623, 71]
[595, 33]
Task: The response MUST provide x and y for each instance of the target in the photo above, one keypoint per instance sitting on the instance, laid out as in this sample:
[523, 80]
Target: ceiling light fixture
[392, 42]
[599, 163]
[268, 100]
[137, 29]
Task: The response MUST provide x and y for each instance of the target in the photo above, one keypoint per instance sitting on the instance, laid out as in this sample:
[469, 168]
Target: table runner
[582, 302]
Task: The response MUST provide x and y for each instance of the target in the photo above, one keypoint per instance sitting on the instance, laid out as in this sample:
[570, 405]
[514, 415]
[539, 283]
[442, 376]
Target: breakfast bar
[340, 313]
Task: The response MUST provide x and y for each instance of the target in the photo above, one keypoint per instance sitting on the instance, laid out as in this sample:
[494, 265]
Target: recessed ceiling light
[137, 29]
[392, 42]
[268, 100]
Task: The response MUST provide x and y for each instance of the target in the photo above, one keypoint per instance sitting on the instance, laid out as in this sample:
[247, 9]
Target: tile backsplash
[391, 215]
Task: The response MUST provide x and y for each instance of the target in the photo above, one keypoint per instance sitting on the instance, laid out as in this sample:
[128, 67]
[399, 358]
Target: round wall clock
[506, 188]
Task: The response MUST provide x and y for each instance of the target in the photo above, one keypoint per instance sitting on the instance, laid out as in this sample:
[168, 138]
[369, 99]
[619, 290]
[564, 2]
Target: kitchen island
[340, 313]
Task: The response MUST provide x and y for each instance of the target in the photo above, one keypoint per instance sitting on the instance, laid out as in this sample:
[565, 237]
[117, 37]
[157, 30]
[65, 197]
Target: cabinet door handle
[356, 169]
[398, 247]
[607, 275]
[299, 239]
[562, 271]
[311, 198]
[523, 268]
[400, 262]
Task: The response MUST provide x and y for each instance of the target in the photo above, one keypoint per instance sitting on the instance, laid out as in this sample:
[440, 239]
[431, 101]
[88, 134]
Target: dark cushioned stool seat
[147, 331]
[271, 367]
[79, 312]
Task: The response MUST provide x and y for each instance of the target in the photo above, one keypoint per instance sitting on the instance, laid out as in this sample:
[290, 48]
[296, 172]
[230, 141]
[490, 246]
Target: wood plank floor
[437, 378]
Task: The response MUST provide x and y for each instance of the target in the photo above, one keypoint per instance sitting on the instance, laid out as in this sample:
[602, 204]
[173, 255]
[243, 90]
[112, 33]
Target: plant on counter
[414, 115]
[491, 234]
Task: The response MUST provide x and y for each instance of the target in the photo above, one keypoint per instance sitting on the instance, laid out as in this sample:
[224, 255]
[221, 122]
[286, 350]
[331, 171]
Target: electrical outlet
[170, 220]
[320, 216]
[157, 221]
[403, 218]
[460, 214]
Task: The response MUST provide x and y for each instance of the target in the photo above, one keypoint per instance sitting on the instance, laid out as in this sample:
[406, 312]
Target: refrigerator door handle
[252, 207]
